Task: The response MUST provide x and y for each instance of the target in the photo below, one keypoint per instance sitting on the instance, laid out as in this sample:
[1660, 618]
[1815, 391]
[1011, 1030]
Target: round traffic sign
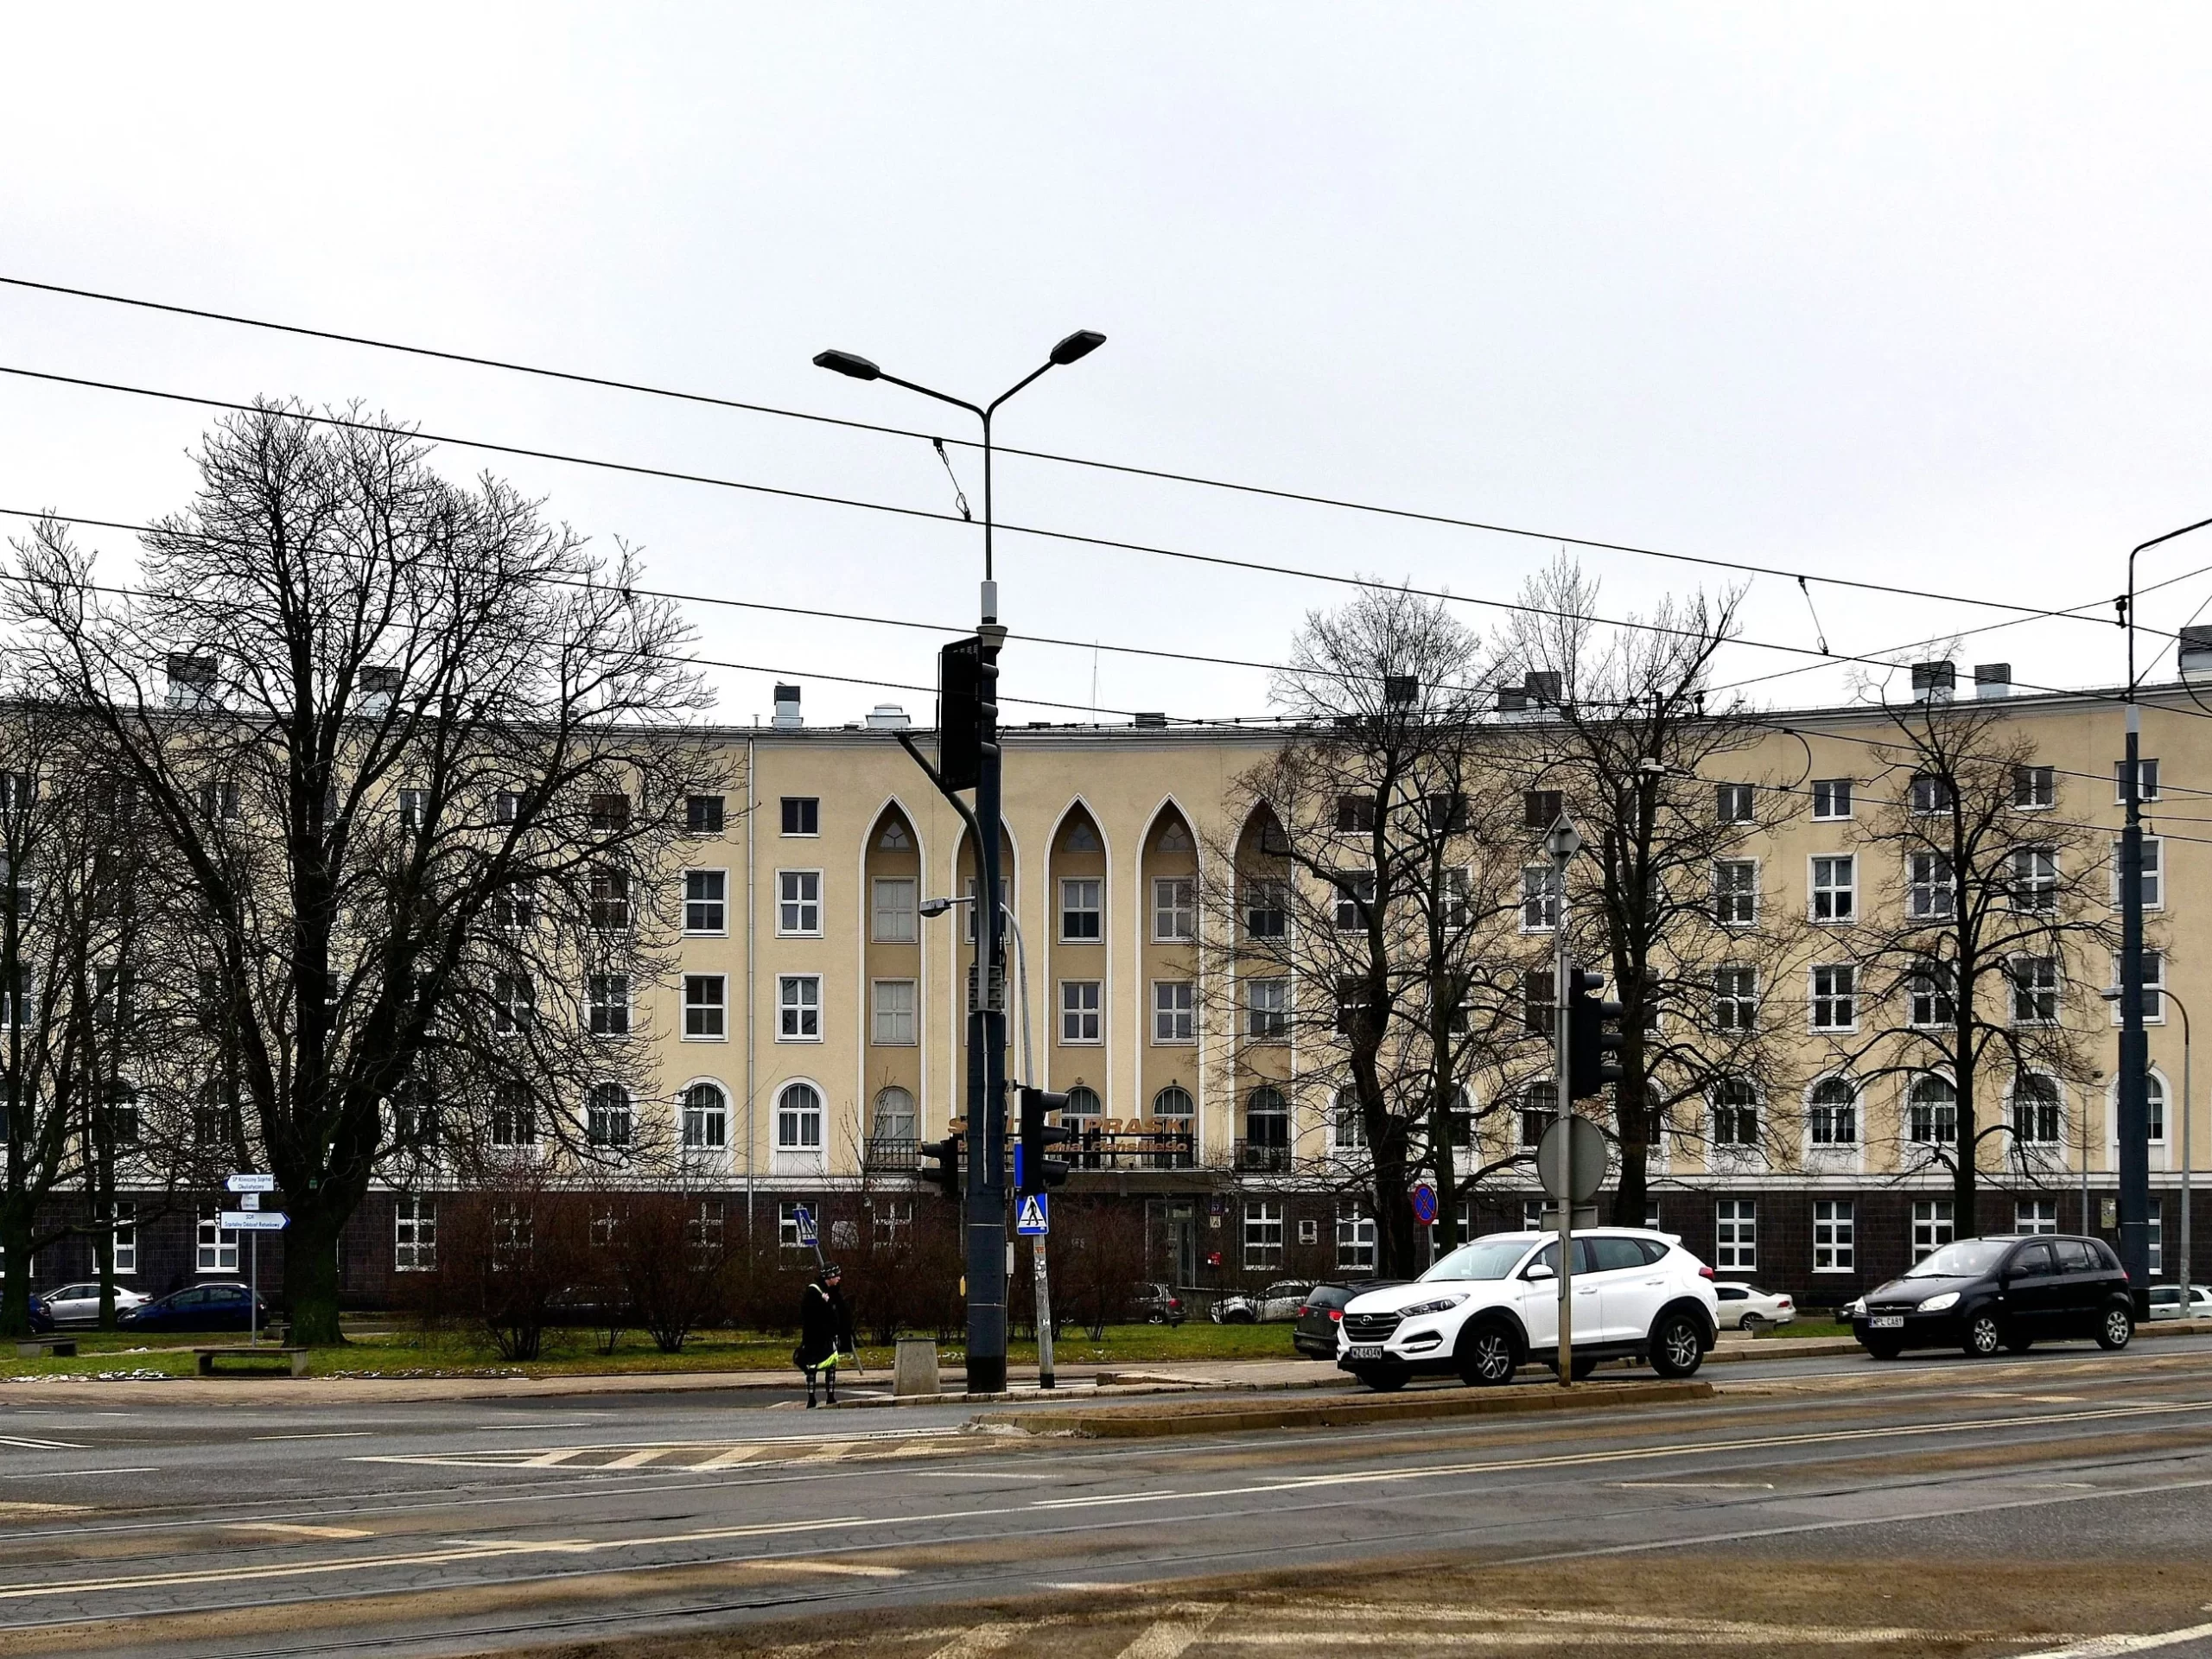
[1425, 1204]
[1572, 1165]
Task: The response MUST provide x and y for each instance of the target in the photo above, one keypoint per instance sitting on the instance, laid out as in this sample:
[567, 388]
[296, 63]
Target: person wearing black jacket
[825, 1331]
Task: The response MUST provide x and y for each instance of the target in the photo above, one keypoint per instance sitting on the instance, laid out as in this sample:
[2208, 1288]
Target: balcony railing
[1264, 1157]
[894, 1153]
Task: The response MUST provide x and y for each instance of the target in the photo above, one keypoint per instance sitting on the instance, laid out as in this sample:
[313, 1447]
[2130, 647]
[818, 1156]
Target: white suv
[1493, 1304]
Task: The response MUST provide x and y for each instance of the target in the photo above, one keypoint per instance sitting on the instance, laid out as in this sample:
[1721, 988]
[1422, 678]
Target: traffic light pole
[1563, 843]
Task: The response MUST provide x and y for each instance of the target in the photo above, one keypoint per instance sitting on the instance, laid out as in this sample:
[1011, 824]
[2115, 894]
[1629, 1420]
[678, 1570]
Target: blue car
[198, 1307]
[42, 1317]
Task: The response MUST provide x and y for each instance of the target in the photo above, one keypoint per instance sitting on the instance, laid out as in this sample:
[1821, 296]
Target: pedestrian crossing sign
[1034, 1219]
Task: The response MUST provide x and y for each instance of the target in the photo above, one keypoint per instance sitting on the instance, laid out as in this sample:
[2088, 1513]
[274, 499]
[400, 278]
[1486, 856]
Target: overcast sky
[1909, 294]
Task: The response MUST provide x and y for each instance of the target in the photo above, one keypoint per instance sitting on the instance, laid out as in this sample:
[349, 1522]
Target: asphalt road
[1938, 1505]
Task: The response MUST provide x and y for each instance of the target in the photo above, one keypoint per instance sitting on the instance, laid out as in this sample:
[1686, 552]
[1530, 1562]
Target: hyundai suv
[1492, 1305]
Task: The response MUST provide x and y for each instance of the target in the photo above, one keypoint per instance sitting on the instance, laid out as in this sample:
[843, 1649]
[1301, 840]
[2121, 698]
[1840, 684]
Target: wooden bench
[295, 1358]
[46, 1348]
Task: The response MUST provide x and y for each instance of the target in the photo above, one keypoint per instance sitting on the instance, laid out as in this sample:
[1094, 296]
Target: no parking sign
[1425, 1204]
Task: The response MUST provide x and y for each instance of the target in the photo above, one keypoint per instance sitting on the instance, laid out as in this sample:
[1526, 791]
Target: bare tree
[415, 764]
[1961, 980]
[1663, 790]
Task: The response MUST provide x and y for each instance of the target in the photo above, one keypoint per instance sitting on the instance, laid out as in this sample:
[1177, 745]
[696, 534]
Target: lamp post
[2134, 1042]
[986, 1209]
[2188, 1161]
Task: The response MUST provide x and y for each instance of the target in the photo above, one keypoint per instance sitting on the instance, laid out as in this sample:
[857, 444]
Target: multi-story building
[812, 1037]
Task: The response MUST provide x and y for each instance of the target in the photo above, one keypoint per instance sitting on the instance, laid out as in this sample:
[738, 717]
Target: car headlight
[1937, 1304]
[1442, 1305]
[1855, 1310]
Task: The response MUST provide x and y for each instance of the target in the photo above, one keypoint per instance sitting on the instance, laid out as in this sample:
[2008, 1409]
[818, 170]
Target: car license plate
[1885, 1322]
[1365, 1350]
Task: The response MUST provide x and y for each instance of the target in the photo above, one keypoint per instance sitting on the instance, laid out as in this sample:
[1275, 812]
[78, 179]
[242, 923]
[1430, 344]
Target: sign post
[250, 1187]
[1424, 1202]
[1562, 842]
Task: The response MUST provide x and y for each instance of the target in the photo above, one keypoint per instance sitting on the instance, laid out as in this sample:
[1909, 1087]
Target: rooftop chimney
[2195, 651]
[887, 717]
[1993, 680]
[787, 718]
[1935, 682]
[1543, 685]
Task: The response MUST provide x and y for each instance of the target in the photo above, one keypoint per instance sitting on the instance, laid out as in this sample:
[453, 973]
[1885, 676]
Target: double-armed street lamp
[968, 674]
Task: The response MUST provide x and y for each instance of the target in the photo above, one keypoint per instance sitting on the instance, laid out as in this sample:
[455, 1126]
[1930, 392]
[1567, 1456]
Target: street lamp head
[939, 907]
[1077, 346]
[845, 363]
[2111, 993]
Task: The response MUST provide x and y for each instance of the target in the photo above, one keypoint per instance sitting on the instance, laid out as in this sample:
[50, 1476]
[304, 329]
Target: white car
[1280, 1300]
[1746, 1307]
[1492, 1305]
[2165, 1302]
[81, 1304]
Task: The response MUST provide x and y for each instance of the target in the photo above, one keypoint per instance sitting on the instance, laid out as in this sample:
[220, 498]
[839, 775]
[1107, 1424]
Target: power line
[1342, 504]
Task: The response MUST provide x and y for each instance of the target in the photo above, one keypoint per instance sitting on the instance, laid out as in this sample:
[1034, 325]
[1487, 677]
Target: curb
[1145, 1422]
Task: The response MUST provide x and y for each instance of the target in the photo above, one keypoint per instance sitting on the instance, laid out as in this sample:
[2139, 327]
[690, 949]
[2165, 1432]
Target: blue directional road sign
[805, 1219]
[1034, 1219]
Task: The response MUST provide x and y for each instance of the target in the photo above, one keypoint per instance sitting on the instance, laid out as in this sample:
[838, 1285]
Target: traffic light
[1588, 1043]
[1040, 1172]
[946, 1154]
[966, 723]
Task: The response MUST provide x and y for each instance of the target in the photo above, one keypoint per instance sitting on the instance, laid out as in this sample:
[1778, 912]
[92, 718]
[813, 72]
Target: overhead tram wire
[1221, 561]
[709, 400]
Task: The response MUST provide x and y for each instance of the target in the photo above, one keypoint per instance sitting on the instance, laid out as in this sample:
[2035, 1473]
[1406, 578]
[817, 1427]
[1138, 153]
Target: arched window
[2035, 1109]
[1266, 1129]
[894, 838]
[1173, 1115]
[1082, 1116]
[799, 1118]
[706, 1118]
[894, 1116]
[1349, 1126]
[1174, 838]
[609, 1120]
[1081, 837]
[2154, 1088]
[1834, 1112]
[1932, 1111]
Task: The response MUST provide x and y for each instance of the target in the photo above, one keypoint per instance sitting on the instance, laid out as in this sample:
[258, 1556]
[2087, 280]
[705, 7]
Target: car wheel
[1240, 1316]
[2116, 1329]
[1155, 1319]
[1751, 1325]
[1984, 1337]
[1677, 1347]
[1383, 1379]
[1884, 1350]
[1486, 1357]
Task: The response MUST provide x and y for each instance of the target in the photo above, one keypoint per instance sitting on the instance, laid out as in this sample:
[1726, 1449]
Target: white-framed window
[799, 1118]
[2034, 982]
[706, 1118]
[1174, 1011]
[219, 802]
[15, 1005]
[514, 1004]
[1455, 903]
[2033, 873]
[1532, 1216]
[1831, 798]
[607, 997]
[798, 904]
[218, 1250]
[1931, 1226]
[1735, 1113]
[790, 1241]
[1082, 909]
[2154, 868]
[2034, 788]
[895, 1014]
[610, 1115]
[896, 1119]
[891, 1223]
[1267, 1009]
[1539, 1111]
[2155, 1226]
[1932, 1111]
[895, 912]
[125, 1238]
[1309, 1230]
[1832, 1113]
[1173, 1111]
[414, 808]
[514, 1114]
[1355, 1241]
[2154, 984]
[706, 901]
[1927, 993]
[1174, 909]
[706, 1008]
[2154, 1092]
[2146, 780]
[1262, 1234]
[1835, 889]
[1539, 897]
[1354, 898]
[2033, 1215]
[1735, 892]
[1081, 1020]
[1735, 998]
[1731, 803]
[1931, 793]
[1835, 997]
[1835, 1236]
[968, 909]
[799, 1008]
[1736, 1234]
[514, 908]
[1267, 907]
[1347, 1124]
[609, 900]
[801, 815]
[2038, 1119]
[1931, 894]
[414, 1234]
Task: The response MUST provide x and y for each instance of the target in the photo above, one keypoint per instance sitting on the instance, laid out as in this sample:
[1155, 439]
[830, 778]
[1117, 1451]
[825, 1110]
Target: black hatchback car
[1982, 1295]
[1314, 1334]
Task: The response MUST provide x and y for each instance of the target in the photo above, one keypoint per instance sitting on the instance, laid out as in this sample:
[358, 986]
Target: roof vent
[787, 718]
[1935, 682]
[2195, 651]
[887, 717]
[1512, 700]
[1993, 680]
[1544, 685]
[192, 679]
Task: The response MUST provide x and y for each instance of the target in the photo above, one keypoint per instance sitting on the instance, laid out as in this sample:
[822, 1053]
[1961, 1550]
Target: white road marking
[56, 1474]
[2106, 1647]
[850, 1569]
[983, 1639]
[22, 1443]
[290, 1529]
[332, 1434]
[1695, 1485]
[1166, 1638]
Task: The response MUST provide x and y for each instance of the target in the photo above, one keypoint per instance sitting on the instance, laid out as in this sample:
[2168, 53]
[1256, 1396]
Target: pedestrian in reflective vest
[825, 1331]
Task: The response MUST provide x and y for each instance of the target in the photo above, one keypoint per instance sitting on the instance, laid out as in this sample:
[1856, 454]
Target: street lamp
[2188, 1161]
[986, 1094]
[2134, 1042]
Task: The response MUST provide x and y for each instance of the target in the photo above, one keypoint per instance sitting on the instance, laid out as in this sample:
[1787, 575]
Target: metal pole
[2134, 1040]
[987, 1104]
[1040, 1280]
[253, 1290]
[2184, 1277]
[1562, 971]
